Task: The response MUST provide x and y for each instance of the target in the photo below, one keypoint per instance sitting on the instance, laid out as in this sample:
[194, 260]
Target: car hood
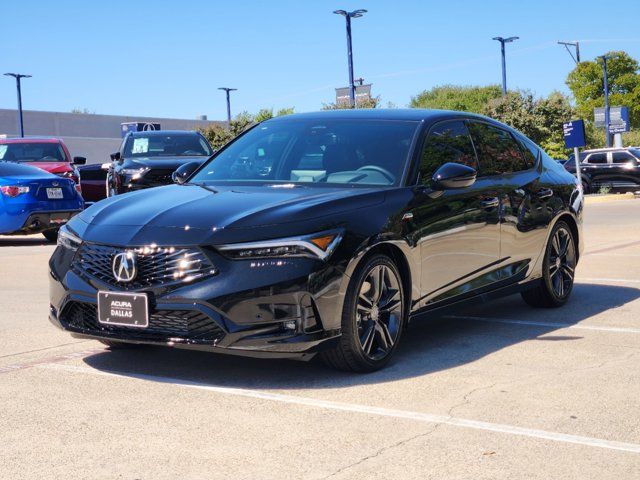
[169, 163]
[51, 167]
[186, 214]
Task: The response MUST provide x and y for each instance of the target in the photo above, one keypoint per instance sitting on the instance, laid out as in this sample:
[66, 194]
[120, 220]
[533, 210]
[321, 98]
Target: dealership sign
[573, 133]
[363, 92]
[128, 127]
[618, 119]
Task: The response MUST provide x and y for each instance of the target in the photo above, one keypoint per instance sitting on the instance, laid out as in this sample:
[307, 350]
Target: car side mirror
[183, 172]
[453, 175]
[115, 156]
[79, 160]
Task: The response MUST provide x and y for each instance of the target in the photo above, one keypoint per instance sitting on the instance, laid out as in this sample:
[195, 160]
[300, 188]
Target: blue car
[35, 201]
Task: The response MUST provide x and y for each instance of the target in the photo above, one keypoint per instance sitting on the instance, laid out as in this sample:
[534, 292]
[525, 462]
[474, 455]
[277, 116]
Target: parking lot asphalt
[496, 391]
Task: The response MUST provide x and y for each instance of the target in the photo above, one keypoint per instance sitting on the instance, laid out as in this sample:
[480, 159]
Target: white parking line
[606, 280]
[534, 323]
[369, 410]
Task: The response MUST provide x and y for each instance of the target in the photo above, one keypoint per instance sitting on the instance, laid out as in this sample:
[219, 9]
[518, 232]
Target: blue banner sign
[573, 132]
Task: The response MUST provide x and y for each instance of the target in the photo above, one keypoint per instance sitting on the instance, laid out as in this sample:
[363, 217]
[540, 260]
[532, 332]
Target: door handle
[490, 202]
[545, 193]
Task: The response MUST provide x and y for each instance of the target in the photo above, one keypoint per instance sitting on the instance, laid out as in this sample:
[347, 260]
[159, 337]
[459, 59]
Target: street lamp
[606, 100]
[575, 44]
[504, 65]
[18, 76]
[348, 16]
[227, 90]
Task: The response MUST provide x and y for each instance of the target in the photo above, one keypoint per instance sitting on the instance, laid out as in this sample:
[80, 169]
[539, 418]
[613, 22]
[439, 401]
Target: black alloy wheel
[373, 318]
[559, 267]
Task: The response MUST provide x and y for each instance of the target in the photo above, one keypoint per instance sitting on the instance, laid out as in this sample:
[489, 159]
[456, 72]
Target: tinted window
[622, 157]
[530, 151]
[597, 158]
[498, 152]
[447, 142]
[32, 152]
[330, 151]
[166, 146]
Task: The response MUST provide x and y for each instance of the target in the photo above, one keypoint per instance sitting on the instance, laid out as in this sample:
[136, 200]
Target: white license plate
[54, 193]
[123, 309]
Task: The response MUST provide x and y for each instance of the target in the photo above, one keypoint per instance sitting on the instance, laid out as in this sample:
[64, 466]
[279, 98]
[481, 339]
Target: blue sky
[166, 58]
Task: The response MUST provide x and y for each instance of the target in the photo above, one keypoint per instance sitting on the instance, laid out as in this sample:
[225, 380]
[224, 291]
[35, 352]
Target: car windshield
[32, 152]
[314, 152]
[170, 145]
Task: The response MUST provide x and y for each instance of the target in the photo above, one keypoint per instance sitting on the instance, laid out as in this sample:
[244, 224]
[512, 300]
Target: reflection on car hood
[191, 211]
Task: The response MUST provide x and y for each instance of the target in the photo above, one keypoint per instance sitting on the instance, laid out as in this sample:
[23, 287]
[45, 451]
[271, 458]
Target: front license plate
[123, 309]
[54, 193]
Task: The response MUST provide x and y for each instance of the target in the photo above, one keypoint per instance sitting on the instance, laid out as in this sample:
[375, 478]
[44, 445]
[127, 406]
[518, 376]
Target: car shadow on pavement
[27, 241]
[427, 346]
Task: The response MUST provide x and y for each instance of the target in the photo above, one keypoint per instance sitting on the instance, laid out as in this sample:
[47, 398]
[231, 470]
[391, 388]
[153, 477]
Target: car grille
[158, 177]
[164, 325]
[156, 266]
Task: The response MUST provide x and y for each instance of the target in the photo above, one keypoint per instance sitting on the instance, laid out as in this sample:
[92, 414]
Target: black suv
[614, 168]
[148, 159]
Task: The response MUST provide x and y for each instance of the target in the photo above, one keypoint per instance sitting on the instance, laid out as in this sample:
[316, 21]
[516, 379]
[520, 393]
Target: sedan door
[457, 231]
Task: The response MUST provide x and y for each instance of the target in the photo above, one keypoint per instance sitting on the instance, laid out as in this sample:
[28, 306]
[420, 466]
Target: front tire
[373, 318]
[558, 270]
[51, 235]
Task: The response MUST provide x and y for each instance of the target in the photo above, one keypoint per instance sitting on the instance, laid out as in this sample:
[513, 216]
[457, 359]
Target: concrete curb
[609, 197]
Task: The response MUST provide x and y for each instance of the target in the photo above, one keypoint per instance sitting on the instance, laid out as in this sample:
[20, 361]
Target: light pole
[348, 16]
[575, 44]
[18, 76]
[606, 101]
[504, 64]
[227, 90]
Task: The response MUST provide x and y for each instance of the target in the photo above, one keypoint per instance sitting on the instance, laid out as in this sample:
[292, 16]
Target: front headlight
[319, 245]
[134, 173]
[66, 239]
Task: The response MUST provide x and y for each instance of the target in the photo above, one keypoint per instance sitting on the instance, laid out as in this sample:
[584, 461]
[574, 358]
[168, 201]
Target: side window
[597, 158]
[529, 150]
[622, 157]
[498, 152]
[447, 142]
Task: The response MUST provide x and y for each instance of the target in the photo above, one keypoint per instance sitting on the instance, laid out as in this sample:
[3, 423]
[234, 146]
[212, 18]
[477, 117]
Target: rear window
[32, 152]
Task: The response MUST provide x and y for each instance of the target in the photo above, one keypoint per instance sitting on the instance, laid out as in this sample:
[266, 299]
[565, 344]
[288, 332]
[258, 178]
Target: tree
[586, 82]
[455, 97]
[369, 102]
[220, 134]
[540, 119]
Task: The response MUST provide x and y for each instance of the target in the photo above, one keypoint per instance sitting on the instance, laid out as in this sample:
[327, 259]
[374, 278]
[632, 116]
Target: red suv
[49, 154]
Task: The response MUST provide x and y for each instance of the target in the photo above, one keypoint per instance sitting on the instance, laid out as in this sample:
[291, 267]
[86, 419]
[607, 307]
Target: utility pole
[227, 90]
[607, 136]
[575, 44]
[348, 16]
[19, 76]
[504, 63]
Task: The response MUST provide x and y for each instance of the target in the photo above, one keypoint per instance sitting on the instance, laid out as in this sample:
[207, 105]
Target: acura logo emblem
[124, 267]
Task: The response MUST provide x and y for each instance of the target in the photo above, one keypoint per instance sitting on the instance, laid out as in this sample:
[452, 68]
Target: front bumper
[260, 309]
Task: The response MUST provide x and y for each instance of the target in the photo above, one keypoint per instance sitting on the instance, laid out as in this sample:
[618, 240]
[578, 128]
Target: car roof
[30, 140]
[400, 114]
[152, 133]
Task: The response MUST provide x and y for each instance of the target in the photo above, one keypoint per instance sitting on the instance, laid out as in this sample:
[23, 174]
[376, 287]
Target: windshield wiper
[202, 185]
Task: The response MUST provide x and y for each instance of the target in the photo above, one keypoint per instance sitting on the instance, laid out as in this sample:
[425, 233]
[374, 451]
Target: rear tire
[51, 235]
[558, 270]
[373, 318]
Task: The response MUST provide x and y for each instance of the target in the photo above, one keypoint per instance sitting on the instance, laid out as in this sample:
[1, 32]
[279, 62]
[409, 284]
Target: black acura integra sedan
[323, 233]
